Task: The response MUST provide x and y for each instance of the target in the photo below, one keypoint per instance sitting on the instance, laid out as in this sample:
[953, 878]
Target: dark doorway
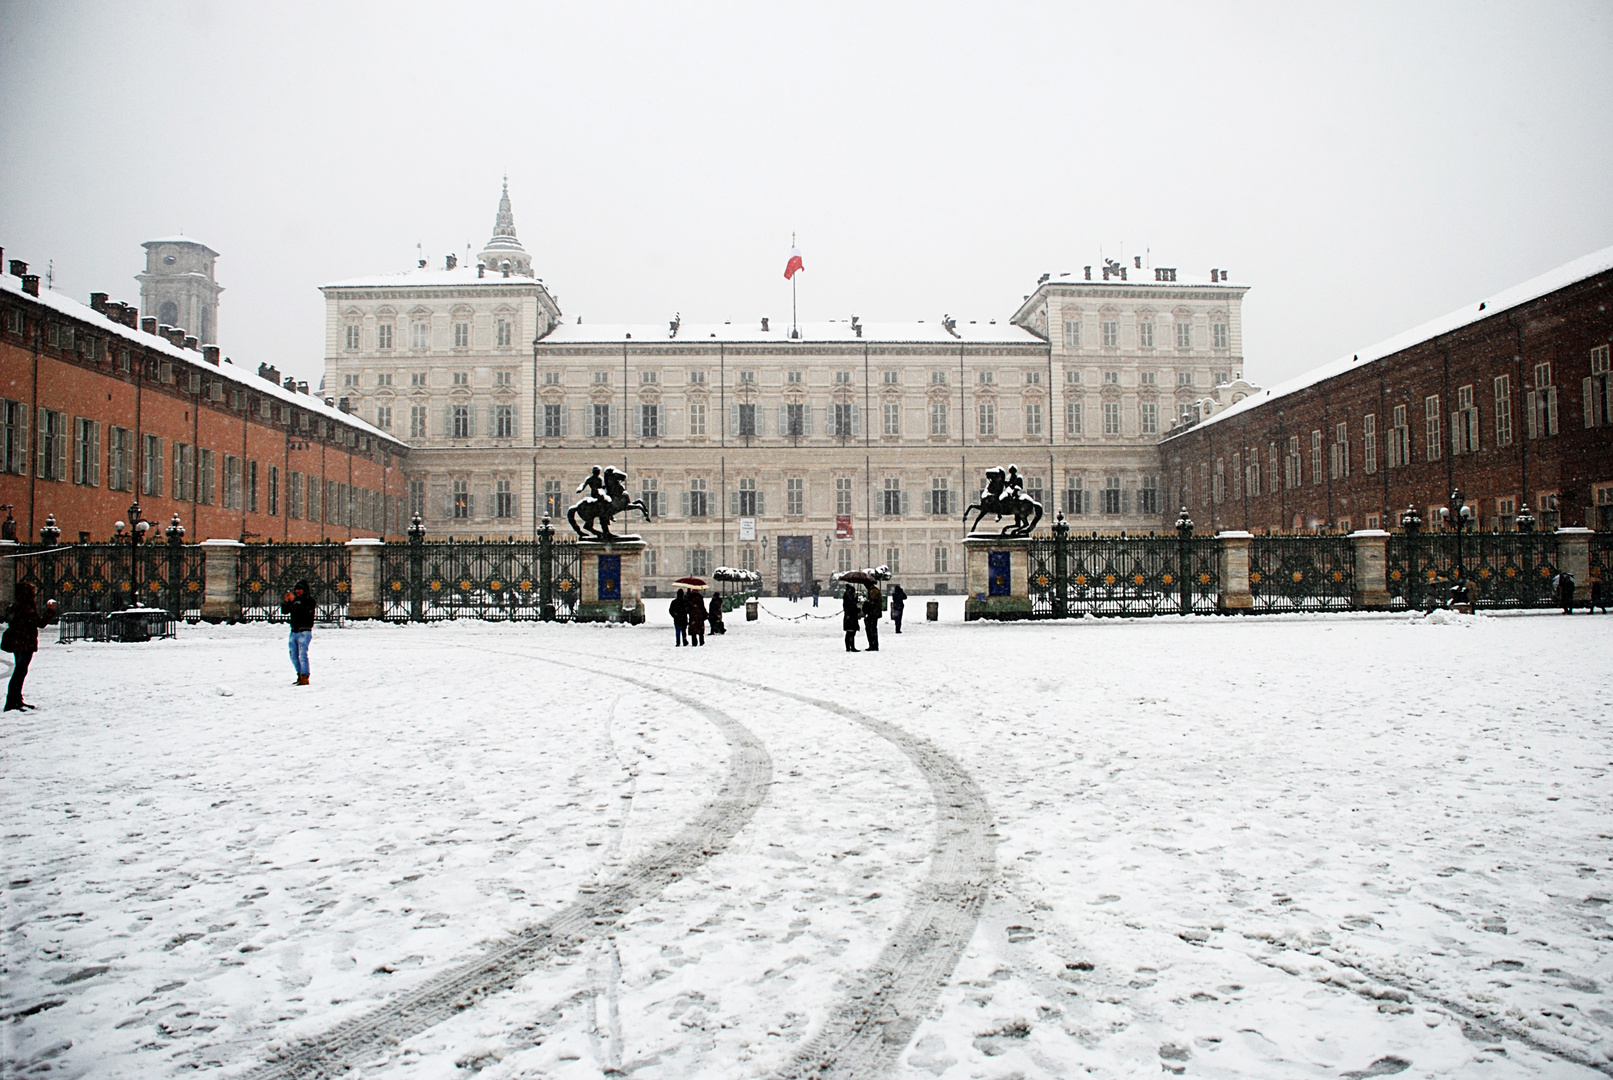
[795, 566]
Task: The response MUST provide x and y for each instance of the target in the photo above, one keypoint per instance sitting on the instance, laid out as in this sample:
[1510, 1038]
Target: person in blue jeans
[299, 605]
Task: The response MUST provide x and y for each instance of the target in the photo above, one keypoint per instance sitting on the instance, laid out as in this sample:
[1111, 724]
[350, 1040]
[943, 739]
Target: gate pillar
[221, 599]
[1235, 595]
[998, 577]
[364, 570]
[1371, 570]
[1574, 555]
[612, 574]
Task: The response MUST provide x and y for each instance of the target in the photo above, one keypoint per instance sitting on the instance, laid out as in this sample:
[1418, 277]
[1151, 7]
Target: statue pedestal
[998, 577]
[612, 574]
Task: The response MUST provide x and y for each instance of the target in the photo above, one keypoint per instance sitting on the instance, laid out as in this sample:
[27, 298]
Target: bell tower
[177, 287]
[504, 253]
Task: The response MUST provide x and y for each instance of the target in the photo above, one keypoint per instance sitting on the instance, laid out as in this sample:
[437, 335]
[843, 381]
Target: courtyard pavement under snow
[1327, 846]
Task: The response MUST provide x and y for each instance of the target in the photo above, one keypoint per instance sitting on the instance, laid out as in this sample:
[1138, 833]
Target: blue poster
[610, 577]
[997, 562]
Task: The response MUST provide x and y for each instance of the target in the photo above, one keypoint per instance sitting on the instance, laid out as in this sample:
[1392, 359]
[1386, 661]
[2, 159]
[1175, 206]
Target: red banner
[843, 527]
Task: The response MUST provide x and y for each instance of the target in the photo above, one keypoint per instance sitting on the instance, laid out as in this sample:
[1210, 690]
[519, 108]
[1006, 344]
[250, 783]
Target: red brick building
[1508, 399]
[100, 409]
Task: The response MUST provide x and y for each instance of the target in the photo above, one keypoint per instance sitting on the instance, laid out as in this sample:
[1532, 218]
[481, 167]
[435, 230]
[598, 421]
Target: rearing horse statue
[1004, 494]
[607, 496]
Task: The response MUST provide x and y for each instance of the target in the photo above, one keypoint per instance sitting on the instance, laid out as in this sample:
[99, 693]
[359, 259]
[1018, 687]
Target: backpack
[8, 640]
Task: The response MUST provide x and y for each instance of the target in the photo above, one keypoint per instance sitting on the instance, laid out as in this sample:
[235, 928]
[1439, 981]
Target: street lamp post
[49, 535]
[1061, 567]
[175, 532]
[417, 568]
[137, 530]
[1184, 559]
[1458, 515]
[1412, 523]
[1525, 522]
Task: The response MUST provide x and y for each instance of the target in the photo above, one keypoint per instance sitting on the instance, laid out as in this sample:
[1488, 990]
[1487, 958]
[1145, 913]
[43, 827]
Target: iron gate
[1504, 569]
[268, 571]
[1301, 573]
[494, 580]
[1123, 576]
[102, 577]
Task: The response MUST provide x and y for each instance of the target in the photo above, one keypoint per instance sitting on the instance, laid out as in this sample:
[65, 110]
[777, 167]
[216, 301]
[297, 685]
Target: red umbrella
[857, 577]
[699, 583]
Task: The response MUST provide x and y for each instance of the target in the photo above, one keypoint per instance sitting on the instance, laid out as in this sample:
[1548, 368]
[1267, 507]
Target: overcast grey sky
[1363, 167]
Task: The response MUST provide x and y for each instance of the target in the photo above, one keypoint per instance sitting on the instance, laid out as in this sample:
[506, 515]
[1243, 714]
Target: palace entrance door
[794, 565]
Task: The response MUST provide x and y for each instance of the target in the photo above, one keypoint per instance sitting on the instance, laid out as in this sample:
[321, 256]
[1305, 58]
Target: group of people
[869, 610]
[690, 615]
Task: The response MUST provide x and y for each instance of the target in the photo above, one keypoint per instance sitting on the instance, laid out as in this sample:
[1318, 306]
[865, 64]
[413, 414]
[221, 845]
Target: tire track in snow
[507, 961]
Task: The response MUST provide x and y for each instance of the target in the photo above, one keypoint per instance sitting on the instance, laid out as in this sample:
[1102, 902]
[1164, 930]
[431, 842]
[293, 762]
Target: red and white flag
[794, 264]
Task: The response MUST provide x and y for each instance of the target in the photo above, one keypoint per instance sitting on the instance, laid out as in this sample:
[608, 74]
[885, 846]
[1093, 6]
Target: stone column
[1235, 595]
[8, 573]
[992, 594]
[1574, 555]
[1371, 570]
[612, 574]
[221, 596]
[364, 571]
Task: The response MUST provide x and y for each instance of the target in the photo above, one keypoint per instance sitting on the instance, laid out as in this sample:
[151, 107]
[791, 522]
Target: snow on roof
[250, 380]
[778, 333]
[420, 277]
[175, 240]
[1587, 266]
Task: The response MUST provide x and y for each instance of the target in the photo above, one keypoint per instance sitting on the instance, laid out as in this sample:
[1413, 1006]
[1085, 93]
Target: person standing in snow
[714, 615]
[697, 617]
[1563, 585]
[299, 605]
[679, 610]
[816, 590]
[873, 607]
[22, 639]
[1598, 597]
[849, 611]
[898, 602]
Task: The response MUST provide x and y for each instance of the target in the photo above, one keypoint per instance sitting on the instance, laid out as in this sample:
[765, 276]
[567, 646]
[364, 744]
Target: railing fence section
[1301, 573]
[493, 580]
[84, 578]
[268, 572]
[1123, 576]
[1503, 570]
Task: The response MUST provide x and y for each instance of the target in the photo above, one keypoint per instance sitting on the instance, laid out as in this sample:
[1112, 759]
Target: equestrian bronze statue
[1004, 494]
[607, 496]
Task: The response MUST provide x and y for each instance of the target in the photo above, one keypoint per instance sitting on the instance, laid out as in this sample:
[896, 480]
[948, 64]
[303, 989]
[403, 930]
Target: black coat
[898, 597]
[850, 610]
[302, 611]
[26, 622]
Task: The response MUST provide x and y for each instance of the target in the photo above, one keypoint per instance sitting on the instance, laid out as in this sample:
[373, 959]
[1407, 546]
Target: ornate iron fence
[1301, 573]
[84, 578]
[268, 572]
[495, 580]
[1504, 570]
[1123, 576]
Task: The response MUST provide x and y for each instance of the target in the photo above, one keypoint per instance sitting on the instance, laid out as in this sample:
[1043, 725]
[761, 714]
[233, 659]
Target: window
[503, 333]
[938, 378]
[794, 420]
[417, 421]
[504, 421]
[794, 496]
[14, 446]
[938, 417]
[888, 377]
[503, 378]
[699, 498]
[1431, 426]
[1148, 418]
[1465, 423]
[459, 506]
[294, 494]
[1145, 334]
[1251, 471]
[1072, 418]
[353, 333]
[747, 378]
[1399, 439]
[1077, 500]
[1293, 463]
[1218, 335]
[554, 499]
[746, 419]
[383, 417]
[459, 421]
[649, 421]
[1033, 377]
[1316, 457]
[1184, 378]
[891, 414]
[1369, 443]
[461, 378]
[1184, 334]
[551, 378]
[252, 487]
[274, 491]
[86, 452]
[985, 378]
[1599, 389]
[792, 378]
[893, 559]
[383, 335]
[747, 500]
[1036, 488]
[697, 378]
[747, 557]
[232, 482]
[350, 380]
[602, 378]
[1112, 502]
[1111, 418]
[1111, 334]
[697, 418]
[152, 482]
[843, 419]
[503, 499]
[1339, 454]
[314, 490]
[1111, 378]
[1072, 333]
[939, 560]
[1218, 483]
[52, 444]
[1148, 378]
[420, 335]
[417, 378]
[1220, 378]
[206, 476]
[1542, 404]
[891, 500]
[1271, 462]
[843, 496]
[183, 485]
[843, 378]
[1148, 496]
[601, 428]
[699, 561]
[986, 419]
[938, 500]
[1503, 410]
[843, 558]
[650, 491]
[1033, 419]
[554, 421]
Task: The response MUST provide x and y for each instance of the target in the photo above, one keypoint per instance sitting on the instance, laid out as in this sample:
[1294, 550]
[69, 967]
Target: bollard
[932, 610]
[750, 611]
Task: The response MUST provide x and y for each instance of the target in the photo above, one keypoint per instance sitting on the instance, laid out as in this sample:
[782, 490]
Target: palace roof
[750, 332]
[425, 276]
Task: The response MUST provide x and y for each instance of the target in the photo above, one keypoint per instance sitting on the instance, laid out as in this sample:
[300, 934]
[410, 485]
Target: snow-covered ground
[1274, 847]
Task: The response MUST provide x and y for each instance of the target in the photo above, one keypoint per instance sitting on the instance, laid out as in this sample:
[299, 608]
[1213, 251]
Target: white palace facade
[792, 451]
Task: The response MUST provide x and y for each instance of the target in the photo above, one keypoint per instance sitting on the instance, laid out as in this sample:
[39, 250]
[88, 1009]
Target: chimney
[210, 354]
[30, 284]
[1088, 271]
[345, 404]
[174, 334]
[1138, 259]
[290, 384]
[98, 302]
[452, 261]
[504, 267]
[422, 264]
[302, 386]
[148, 324]
[481, 269]
[18, 268]
[764, 324]
[191, 342]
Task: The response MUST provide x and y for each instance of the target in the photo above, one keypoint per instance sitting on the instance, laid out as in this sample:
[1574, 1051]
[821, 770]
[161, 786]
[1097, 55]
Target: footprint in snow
[1384, 1066]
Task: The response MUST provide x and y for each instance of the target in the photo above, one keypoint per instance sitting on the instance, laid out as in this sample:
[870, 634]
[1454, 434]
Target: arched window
[168, 313]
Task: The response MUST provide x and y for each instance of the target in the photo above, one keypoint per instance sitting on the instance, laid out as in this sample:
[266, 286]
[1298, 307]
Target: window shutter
[660, 420]
[761, 502]
[929, 501]
[783, 420]
[733, 504]
[905, 510]
[806, 422]
[515, 421]
[565, 421]
[447, 421]
[23, 445]
[1125, 501]
[683, 503]
[856, 420]
[1590, 404]
[638, 422]
[1551, 410]
[1456, 434]
[1531, 420]
[94, 478]
[733, 419]
[42, 466]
